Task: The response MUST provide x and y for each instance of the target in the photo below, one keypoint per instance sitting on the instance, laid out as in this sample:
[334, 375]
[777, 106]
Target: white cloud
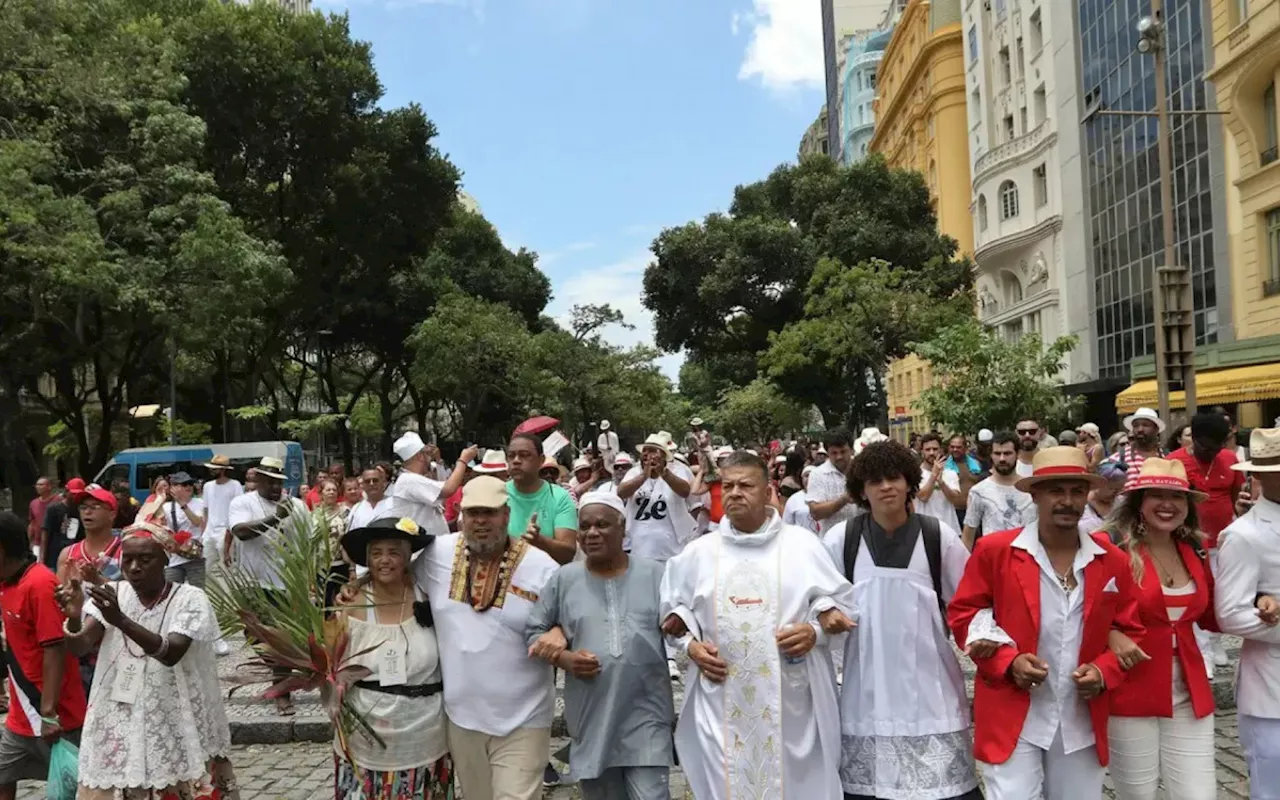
[785, 50]
[621, 285]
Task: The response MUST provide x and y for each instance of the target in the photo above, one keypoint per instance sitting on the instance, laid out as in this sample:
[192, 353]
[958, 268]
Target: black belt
[420, 690]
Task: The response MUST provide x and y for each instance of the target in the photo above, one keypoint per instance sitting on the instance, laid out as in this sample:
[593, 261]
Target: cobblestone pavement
[305, 771]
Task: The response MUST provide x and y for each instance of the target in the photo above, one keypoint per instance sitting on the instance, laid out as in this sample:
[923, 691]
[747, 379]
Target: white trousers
[1178, 751]
[1260, 738]
[1031, 773]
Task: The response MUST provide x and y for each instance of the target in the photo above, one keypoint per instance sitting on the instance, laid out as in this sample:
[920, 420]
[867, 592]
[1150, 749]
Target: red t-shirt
[35, 513]
[313, 499]
[1220, 482]
[32, 620]
[716, 512]
[453, 507]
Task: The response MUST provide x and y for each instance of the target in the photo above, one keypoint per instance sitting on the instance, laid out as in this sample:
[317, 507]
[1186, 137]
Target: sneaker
[221, 648]
[550, 778]
[673, 669]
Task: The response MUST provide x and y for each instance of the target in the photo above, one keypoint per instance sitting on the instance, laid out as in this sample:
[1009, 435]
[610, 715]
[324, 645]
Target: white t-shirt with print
[175, 519]
[996, 507]
[658, 519]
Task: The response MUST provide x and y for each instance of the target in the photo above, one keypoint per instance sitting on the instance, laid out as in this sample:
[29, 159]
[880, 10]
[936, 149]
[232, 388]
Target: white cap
[408, 446]
[609, 499]
[985, 435]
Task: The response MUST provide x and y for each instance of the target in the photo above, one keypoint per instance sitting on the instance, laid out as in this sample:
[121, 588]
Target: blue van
[141, 465]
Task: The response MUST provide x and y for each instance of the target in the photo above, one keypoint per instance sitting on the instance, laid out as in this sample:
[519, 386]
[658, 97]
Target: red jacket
[1007, 580]
[1148, 692]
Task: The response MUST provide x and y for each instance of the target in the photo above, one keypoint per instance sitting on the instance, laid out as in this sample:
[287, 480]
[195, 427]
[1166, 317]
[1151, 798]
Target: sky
[585, 127]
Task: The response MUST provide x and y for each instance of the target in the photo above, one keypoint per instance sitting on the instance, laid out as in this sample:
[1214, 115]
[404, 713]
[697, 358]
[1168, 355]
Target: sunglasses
[1028, 431]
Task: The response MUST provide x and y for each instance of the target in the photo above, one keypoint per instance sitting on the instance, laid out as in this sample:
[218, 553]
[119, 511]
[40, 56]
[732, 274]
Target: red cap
[100, 494]
[75, 487]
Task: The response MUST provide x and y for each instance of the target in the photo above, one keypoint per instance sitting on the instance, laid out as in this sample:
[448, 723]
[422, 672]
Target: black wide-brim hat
[356, 542]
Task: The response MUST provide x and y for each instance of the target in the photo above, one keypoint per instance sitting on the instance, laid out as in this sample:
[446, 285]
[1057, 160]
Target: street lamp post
[1173, 302]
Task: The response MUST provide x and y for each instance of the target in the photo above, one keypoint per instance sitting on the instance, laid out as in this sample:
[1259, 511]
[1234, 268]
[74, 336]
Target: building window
[1269, 153]
[1006, 71]
[1008, 200]
[1040, 177]
[982, 213]
[1039, 105]
[1008, 128]
[1037, 32]
[973, 43]
[1271, 285]
[1239, 11]
[1021, 61]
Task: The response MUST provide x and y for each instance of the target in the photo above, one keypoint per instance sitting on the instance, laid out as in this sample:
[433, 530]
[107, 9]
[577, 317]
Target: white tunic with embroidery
[177, 721]
[771, 730]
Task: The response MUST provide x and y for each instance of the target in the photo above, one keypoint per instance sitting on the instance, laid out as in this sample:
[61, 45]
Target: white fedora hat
[271, 467]
[604, 425]
[658, 441]
[1149, 414]
[494, 461]
[1264, 452]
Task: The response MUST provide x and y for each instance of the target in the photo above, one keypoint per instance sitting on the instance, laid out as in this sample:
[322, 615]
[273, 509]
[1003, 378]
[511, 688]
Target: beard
[1004, 469]
[484, 549]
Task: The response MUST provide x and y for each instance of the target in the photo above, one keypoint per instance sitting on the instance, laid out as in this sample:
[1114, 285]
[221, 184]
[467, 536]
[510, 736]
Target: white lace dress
[177, 722]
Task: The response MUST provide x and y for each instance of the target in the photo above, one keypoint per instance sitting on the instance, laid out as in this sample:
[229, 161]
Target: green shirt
[553, 505]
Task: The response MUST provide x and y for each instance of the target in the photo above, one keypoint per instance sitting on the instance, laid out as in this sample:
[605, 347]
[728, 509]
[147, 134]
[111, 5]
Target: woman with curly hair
[1161, 725]
[904, 566]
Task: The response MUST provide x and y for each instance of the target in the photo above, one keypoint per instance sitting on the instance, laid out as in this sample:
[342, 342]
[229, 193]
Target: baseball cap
[101, 494]
[484, 492]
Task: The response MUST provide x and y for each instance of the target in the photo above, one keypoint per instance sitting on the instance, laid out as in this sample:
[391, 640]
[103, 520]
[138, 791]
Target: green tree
[757, 413]
[855, 320]
[982, 380]
[719, 289]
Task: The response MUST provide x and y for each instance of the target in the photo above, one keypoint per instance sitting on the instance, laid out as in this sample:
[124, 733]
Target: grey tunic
[623, 717]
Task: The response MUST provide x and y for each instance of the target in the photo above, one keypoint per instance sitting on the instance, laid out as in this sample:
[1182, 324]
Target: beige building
[816, 140]
[1246, 41]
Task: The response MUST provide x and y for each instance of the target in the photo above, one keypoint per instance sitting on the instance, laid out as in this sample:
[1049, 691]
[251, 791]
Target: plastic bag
[64, 771]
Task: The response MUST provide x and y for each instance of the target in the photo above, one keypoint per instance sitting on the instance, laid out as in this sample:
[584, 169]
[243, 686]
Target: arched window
[982, 213]
[1008, 200]
[1011, 288]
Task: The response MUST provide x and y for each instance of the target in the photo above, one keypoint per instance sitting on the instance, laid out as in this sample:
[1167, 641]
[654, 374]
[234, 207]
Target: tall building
[920, 105]
[816, 139]
[1245, 374]
[1022, 245]
[1121, 188]
[858, 92]
[841, 20]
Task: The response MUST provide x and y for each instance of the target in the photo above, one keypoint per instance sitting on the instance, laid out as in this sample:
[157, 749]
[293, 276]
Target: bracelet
[162, 650]
[67, 629]
[51, 721]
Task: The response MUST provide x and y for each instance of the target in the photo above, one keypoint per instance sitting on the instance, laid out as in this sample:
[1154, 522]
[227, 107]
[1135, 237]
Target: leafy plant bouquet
[288, 628]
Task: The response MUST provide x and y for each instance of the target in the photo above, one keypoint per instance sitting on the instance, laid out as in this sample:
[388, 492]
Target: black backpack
[857, 530]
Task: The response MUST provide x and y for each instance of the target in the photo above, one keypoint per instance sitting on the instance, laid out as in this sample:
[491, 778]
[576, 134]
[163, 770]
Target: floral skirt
[430, 782]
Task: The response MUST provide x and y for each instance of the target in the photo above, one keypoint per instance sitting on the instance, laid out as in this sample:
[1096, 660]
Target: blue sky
[583, 127]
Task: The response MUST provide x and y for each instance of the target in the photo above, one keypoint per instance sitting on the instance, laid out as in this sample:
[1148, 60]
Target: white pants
[1030, 771]
[1177, 750]
[1260, 738]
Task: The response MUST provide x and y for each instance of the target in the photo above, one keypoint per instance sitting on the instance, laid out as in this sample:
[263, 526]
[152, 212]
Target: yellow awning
[1213, 387]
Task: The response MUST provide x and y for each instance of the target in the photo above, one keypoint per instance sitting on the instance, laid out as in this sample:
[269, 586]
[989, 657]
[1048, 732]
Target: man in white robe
[752, 604]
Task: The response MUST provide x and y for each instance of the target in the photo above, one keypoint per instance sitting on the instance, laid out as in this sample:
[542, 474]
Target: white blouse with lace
[177, 721]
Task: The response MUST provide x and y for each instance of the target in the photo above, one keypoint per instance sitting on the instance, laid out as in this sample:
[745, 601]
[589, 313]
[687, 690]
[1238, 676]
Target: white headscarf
[603, 499]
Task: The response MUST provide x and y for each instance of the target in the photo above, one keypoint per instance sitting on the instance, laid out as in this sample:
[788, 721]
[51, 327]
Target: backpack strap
[931, 532]
[853, 533]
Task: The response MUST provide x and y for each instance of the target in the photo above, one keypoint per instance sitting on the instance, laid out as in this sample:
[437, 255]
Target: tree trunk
[386, 386]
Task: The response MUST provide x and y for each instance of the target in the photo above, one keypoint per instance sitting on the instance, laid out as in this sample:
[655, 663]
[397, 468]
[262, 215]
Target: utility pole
[1173, 301]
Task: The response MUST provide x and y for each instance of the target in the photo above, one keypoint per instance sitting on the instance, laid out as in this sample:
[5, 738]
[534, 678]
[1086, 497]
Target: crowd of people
[815, 599]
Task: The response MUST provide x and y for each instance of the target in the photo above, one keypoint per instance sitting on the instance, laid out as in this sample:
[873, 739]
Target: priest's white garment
[772, 729]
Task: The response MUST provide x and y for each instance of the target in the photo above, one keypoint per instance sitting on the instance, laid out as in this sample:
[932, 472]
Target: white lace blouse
[177, 721]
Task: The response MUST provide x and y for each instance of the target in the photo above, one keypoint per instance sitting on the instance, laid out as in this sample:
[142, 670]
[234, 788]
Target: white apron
[903, 709]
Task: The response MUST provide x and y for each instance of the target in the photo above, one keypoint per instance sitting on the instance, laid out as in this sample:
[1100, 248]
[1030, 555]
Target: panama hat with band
[1059, 464]
[494, 461]
[656, 441]
[1264, 452]
[270, 467]
[1149, 414]
[356, 542]
[1168, 474]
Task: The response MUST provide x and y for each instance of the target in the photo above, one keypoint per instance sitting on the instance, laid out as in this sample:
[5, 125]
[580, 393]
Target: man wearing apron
[904, 717]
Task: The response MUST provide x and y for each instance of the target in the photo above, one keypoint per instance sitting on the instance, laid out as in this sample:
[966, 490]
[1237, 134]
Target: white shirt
[658, 519]
[418, 498]
[1055, 704]
[796, 512]
[490, 683]
[1025, 469]
[364, 512]
[176, 519]
[1249, 563]
[257, 555]
[217, 499]
[826, 483]
[938, 506]
[998, 507]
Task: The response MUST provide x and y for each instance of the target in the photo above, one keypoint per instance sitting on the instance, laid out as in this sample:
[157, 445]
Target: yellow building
[1246, 41]
[921, 124]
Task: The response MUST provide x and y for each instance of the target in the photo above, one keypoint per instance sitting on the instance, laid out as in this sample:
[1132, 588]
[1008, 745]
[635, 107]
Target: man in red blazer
[1035, 608]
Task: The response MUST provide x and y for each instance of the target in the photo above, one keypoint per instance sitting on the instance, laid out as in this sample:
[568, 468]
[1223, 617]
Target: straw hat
[1057, 464]
[270, 467]
[658, 441]
[219, 462]
[1168, 474]
[550, 463]
[1264, 451]
[1149, 414]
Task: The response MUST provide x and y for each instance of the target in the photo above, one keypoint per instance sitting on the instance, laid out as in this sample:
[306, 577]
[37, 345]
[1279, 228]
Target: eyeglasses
[1028, 431]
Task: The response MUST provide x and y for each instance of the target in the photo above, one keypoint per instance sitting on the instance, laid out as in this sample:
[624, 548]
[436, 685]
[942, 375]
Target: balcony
[997, 157]
[869, 59]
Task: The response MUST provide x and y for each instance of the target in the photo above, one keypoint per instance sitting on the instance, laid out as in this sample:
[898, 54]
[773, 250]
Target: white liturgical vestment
[772, 729]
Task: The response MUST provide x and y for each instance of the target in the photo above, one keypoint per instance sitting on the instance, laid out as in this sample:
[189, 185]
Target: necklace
[1160, 567]
[167, 597]
[1067, 580]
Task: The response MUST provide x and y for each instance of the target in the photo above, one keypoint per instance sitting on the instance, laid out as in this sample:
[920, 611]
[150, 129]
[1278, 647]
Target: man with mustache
[1035, 609]
[995, 502]
[1145, 428]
